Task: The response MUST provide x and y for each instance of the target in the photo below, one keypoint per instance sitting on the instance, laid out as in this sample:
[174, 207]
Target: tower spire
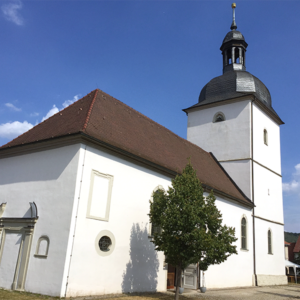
[233, 24]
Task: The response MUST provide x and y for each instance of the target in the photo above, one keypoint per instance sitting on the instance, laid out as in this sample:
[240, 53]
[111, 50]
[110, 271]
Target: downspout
[79, 193]
[253, 214]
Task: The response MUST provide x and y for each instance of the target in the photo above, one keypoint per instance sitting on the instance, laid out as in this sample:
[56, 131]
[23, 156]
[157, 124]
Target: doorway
[171, 277]
[15, 244]
[190, 277]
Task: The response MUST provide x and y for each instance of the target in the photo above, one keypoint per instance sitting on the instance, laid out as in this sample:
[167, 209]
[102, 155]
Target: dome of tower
[234, 84]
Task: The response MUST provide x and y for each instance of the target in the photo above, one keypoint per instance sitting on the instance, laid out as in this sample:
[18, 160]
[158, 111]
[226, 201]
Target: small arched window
[219, 117]
[269, 242]
[265, 137]
[42, 247]
[244, 233]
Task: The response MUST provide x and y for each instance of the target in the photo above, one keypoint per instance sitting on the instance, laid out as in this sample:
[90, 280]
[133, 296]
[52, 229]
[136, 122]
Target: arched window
[244, 233]
[219, 117]
[266, 137]
[229, 57]
[42, 247]
[154, 228]
[269, 242]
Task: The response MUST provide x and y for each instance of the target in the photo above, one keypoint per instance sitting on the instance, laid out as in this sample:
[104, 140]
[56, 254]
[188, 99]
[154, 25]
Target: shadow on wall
[141, 270]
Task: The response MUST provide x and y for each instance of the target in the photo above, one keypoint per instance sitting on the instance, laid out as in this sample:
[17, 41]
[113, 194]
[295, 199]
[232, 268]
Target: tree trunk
[178, 282]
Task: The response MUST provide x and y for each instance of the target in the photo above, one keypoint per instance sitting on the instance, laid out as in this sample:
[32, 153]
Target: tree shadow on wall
[141, 271]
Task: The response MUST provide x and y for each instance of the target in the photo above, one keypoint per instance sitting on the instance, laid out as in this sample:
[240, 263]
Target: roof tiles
[297, 246]
[109, 120]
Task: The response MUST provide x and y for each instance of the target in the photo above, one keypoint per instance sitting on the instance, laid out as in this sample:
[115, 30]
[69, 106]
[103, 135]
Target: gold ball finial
[233, 5]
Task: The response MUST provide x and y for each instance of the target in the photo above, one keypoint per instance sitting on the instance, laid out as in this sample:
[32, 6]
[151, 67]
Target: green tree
[191, 225]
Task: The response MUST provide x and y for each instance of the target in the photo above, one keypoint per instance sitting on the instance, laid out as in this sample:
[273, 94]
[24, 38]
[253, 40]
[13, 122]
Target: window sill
[244, 250]
[270, 253]
[40, 256]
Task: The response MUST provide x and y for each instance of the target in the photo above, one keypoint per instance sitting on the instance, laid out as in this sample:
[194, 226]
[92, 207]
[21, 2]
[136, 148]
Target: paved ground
[291, 291]
[256, 293]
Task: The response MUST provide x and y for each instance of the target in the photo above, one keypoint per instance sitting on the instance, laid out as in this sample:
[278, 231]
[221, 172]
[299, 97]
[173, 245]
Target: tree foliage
[291, 237]
[191, 225]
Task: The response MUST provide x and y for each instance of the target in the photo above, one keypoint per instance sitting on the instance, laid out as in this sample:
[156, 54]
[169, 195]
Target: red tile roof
[286, 243]
[108, 120]
[297, 246]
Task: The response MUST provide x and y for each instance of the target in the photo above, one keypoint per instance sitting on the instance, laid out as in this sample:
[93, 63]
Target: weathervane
[233, 25]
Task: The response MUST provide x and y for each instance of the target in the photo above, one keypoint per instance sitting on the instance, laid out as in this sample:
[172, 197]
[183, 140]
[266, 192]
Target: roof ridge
[90, 110]
[159, 125]
[74, 103]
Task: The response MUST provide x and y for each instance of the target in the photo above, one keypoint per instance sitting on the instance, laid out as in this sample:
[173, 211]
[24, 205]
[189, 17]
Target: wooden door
[171, 277]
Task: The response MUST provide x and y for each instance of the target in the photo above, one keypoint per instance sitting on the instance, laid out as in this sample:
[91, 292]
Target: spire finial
[233, 25]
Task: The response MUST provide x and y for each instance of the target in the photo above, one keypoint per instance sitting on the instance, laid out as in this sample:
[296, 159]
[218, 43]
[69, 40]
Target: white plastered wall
[270, 268]
[134, 265]
[268, 194]
[240, 172]
[269, 264]
[48, 178]
[237, 270]
[267, 155]
[227, 140]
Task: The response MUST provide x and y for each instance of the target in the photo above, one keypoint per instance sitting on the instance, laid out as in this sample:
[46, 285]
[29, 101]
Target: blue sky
[154, 56]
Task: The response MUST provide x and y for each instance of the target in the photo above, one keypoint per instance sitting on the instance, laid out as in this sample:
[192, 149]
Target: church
[75, 190]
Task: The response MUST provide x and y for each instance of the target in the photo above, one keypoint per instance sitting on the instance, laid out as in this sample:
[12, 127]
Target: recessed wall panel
[100, 196]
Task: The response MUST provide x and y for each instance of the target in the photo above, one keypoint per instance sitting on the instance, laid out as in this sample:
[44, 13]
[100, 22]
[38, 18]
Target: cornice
[82, 138]
[249, 97]
[52, 143]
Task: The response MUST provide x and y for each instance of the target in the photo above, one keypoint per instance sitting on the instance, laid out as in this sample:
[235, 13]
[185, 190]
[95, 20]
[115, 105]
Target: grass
[15, 295]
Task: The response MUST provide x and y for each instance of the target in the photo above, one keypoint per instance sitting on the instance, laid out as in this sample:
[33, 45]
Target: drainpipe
[78, 200]
[253, 214]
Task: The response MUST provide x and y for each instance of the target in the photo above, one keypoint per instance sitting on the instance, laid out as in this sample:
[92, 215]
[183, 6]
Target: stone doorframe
[24, 226]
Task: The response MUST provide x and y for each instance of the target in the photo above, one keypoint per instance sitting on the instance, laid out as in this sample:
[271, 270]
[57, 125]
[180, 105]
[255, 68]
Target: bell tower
[234, 119]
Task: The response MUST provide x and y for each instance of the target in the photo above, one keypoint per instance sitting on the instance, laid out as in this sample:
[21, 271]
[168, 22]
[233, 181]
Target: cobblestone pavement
[257, 293]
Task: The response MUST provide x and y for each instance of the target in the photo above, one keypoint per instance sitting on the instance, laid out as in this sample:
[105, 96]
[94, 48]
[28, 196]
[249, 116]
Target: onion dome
[233, 84]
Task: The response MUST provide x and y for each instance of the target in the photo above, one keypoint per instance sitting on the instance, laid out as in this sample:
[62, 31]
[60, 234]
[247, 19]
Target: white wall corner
[71, 238]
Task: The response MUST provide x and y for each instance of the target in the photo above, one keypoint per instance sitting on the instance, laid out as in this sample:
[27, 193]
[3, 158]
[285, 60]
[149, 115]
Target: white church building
[75, 190]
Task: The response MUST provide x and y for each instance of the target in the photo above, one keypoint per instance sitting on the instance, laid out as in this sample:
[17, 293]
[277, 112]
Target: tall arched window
[266, 137]
[269, 242]
[154, 228]
[244, 233]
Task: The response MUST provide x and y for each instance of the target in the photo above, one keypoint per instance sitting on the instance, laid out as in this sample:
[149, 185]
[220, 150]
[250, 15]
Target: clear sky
[155, 56]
